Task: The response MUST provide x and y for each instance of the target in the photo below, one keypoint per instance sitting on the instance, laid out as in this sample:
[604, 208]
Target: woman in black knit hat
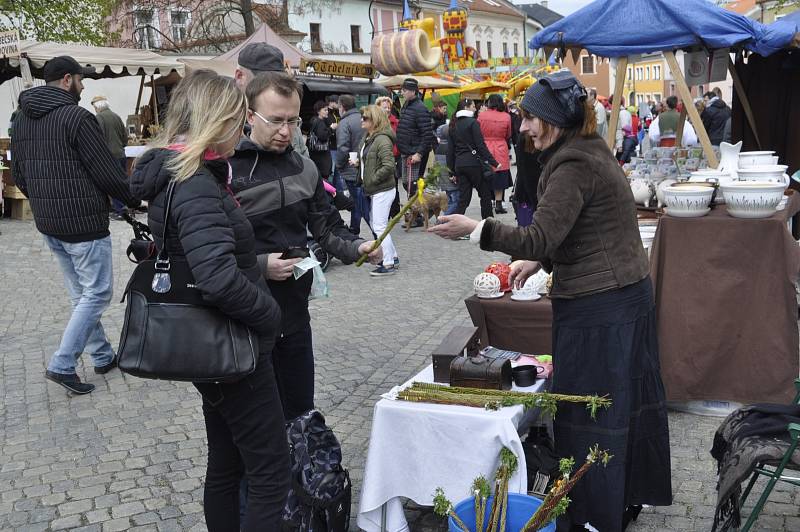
[604, 327]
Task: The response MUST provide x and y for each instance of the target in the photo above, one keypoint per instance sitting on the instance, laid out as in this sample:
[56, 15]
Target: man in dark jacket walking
[348, 137]
[414, 135]
[62, 164]
[284, 198]
[714, 117]
[116, 137]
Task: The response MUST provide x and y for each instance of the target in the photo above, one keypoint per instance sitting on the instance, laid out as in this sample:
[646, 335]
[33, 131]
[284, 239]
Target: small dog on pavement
[431, 204]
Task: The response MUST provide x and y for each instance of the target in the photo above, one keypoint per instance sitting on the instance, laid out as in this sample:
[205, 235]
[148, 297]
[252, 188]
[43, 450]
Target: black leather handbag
[171, 333]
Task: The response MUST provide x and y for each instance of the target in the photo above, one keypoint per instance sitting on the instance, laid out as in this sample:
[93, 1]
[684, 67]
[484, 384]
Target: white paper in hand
[304, 266]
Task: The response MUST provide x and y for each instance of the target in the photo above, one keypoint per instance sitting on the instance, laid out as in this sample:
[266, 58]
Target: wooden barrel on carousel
[404, 52]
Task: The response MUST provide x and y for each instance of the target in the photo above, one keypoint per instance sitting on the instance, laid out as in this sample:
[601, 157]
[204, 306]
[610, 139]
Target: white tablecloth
[416, 447]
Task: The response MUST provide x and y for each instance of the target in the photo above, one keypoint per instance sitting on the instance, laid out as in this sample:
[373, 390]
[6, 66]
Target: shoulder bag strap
[473, 150]
[162, 259]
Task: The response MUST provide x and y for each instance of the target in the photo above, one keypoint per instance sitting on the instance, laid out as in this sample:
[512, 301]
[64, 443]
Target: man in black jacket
[283, 197]
[414, 135]
[63, 166]
[714, 117]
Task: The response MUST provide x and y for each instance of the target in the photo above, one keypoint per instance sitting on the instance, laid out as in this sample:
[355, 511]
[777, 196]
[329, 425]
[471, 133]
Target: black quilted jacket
[61, 162]
[210, 230]
[415, 129]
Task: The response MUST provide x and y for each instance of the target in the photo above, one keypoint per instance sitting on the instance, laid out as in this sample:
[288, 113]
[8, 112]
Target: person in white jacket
[689, 136]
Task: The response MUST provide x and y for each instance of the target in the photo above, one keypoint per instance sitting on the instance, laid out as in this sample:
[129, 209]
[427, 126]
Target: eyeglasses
[365, 118]
[278, 124]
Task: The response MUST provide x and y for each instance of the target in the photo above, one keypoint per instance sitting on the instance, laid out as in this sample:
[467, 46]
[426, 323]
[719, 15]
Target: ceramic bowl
[772, 172]
[753, 199]
[487, 285]
[757, 158]
[688, 201]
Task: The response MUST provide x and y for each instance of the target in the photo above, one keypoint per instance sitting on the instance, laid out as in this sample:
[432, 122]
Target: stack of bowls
[688, 201]
[772, 172]
[757, 158]
[753, 199]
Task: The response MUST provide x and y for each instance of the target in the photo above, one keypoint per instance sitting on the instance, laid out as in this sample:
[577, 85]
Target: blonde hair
[200, 111]
[377, 116]
[382, 99]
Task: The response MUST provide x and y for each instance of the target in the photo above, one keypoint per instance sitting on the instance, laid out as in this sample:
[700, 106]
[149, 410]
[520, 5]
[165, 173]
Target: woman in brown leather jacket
[604, 327]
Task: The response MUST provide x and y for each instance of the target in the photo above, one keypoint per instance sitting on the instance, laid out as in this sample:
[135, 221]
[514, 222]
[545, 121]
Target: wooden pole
[622, 68]
[686, 96]
[748, 111]
[154, 100]
[681, 124]
[139, 98]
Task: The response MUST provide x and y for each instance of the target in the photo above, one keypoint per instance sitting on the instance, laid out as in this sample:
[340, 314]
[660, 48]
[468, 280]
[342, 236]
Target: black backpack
[319, 497]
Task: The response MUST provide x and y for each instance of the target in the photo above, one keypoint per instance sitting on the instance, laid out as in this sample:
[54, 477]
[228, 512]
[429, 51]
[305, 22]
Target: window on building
[516, 49]
[316, 41]
[630, 73]
[355, 39]
[657, 97]
[505, 49]
[657, 72]
[587, 64]
[478, 48]
[647, 73]
[179, 21]
[146, 32]
[488, 49]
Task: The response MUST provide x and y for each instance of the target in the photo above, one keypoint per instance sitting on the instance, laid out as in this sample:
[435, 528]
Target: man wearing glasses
[283, 197]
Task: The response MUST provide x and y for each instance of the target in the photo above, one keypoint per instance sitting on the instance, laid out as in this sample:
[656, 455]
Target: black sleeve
[451, 152]
[20, 178]
[103, 169]
[208, 240]
[480, 144]
[328, 229]
[424, 124]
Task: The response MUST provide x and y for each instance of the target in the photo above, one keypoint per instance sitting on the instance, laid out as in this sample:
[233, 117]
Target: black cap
[556, 98]
[60, 66]
[411, 84]
[261, 57]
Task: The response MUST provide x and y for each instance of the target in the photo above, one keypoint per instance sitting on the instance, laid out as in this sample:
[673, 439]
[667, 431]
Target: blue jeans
[452, 202]
[360, 206]
[89, 279]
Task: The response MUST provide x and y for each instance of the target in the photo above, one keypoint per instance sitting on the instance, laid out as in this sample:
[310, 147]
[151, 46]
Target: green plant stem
[504, 506]
[542, 514]
[458, 521]
[388, 229]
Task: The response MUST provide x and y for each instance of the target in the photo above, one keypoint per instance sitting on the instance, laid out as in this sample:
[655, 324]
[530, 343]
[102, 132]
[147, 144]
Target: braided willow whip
[560, 489]
[423, 392]
[393, 222]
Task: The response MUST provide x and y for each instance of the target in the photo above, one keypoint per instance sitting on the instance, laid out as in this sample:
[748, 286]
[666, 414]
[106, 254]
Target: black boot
[631, 513]
[498, 207]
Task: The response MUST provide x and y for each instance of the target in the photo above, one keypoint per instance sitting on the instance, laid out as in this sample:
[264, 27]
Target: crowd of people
[655, 124]
[249, 191]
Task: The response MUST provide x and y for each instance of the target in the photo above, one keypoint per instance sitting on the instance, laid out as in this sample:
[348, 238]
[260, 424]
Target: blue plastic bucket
[520, 509]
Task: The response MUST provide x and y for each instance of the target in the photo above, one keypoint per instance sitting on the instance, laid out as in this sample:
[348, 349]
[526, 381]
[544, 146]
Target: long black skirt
[606, 344]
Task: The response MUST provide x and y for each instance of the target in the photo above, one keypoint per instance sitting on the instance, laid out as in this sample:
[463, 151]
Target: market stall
[724, 264]
[683, 24]
[108, 62]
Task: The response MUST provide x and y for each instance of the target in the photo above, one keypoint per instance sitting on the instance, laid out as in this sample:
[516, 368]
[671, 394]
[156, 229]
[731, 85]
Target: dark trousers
[470, 177]
[628, 149]
[360, 207]
[293, 358]
[398, 171]
[246, 436]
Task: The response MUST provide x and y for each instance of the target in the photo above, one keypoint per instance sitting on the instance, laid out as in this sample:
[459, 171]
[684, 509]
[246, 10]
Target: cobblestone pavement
[131, 455]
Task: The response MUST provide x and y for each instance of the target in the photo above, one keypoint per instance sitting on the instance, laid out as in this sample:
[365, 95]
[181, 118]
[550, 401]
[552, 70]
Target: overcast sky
[563, 7]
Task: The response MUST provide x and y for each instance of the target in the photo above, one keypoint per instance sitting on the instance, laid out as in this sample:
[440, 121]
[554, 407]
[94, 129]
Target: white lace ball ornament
[486, 284]
[528, 290]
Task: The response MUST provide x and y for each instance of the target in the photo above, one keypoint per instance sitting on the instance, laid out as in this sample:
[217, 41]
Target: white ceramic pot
[729, 157]
[774, 173]
[688, 201]
[753, 199]
[487, 285]
[660, 190]
[756, 158]
[643, 191]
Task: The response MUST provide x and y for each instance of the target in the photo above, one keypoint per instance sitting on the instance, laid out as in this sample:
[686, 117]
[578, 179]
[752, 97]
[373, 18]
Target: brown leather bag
[481, 372]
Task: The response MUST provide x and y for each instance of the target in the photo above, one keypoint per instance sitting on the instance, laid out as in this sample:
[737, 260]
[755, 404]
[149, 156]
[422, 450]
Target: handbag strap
[473, 150]
[162, 259]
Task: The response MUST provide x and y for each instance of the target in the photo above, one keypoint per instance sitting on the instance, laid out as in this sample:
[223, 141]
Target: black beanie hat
[557, 99]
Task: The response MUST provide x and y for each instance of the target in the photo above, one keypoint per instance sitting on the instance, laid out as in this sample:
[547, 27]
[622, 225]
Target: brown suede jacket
[585, 226]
